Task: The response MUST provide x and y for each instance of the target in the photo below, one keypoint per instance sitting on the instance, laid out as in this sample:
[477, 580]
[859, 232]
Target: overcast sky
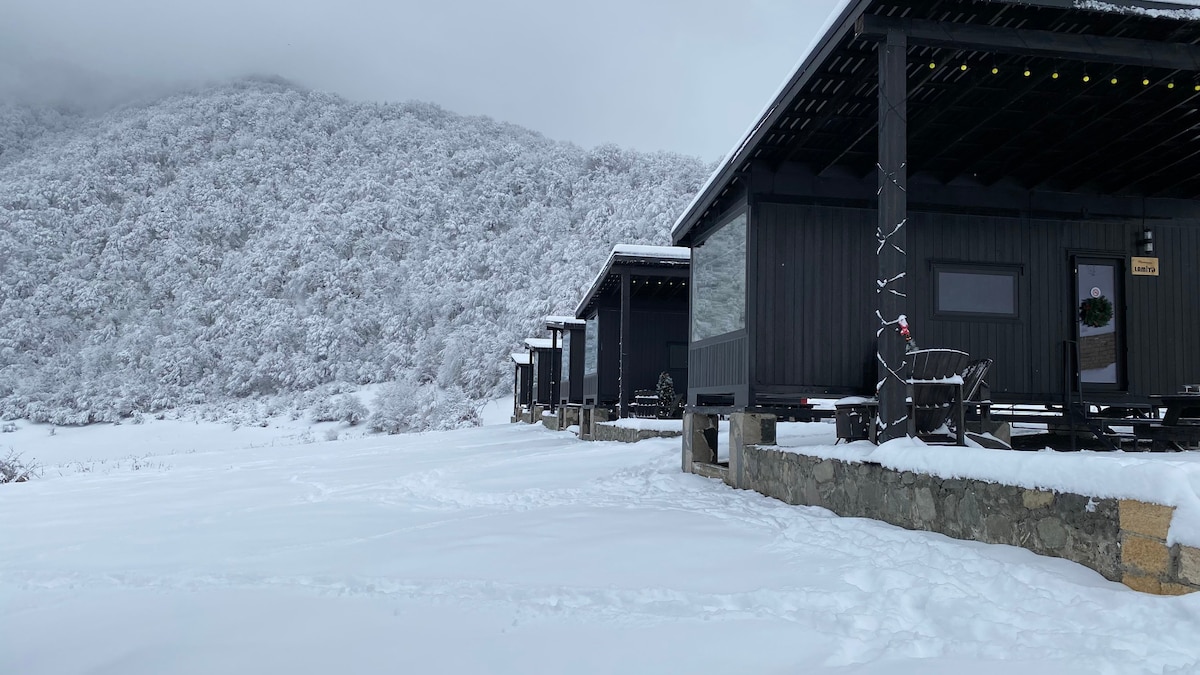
[682, 75]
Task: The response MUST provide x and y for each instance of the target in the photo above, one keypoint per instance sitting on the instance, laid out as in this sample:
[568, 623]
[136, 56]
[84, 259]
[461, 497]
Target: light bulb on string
[1028, 72]
[1087, 78]
[963, 67]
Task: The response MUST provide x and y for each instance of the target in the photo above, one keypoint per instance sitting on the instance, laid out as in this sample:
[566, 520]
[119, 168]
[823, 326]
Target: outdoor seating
[936, 390]
[645, 403]
[1179, 428]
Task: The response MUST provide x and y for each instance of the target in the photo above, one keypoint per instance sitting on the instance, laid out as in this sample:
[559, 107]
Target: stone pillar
[568, 415]
[746, 429]
[591, 417]
[535, 417]
[699, 439]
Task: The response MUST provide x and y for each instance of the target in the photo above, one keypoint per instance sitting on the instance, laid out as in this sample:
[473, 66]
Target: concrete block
[747, 429]
[1150, 520]
[1188, 566]
[1144, 555]
[699, 439]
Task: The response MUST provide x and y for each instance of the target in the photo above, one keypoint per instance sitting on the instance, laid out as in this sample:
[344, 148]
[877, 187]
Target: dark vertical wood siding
[609, 359]
[815, 280]
[718, 365]
[653, 330]
[572, 382]
[815, 269]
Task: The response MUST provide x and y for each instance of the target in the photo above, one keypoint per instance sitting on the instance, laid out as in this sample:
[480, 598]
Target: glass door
[1099, 302]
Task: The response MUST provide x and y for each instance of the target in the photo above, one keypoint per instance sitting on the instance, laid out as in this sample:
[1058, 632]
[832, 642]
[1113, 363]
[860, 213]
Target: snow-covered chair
[936, 390]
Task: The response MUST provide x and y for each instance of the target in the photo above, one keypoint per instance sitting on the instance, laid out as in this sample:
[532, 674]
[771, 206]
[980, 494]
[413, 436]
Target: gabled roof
[650, 261]
[563, 322]
[539, 343]
[992, 123]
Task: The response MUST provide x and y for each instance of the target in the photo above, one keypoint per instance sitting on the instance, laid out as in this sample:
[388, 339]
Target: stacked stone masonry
[1123, 540]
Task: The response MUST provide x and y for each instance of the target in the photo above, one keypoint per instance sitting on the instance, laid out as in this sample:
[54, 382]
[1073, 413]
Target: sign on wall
[1144, 267]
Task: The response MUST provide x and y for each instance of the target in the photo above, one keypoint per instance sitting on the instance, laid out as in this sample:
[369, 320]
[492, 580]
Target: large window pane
[566, 357]
[719, 281]
[983, 291]
[591, 349]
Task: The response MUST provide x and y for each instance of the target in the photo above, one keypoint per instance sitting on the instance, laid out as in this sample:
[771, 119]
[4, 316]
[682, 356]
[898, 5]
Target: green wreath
[1096, 312]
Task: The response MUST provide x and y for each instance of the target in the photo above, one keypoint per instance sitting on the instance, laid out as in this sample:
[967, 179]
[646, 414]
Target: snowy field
[174, 547]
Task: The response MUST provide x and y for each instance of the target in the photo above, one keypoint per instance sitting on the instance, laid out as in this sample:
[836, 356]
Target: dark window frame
[1013, 271]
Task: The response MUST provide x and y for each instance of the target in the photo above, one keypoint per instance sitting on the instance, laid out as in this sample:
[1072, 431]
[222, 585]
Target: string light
[1170, 85]
[1113, 81]
[1027, 72]
[932, 65]
[1145, 81]
[995, 70]
[1086, 78]
[963, 67]
[1054, 75]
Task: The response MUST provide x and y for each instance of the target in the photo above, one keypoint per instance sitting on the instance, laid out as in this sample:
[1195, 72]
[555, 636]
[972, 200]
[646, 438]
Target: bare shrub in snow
[13, 469]
[405, 406]
[344, 408]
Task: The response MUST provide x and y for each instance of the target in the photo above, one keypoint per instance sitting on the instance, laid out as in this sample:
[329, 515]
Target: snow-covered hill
[258, 239]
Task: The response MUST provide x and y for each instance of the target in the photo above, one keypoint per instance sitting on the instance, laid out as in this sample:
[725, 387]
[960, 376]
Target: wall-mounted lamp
[1146, 242]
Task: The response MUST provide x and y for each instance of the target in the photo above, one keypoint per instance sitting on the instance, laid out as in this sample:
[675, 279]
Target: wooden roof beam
[1070, 46]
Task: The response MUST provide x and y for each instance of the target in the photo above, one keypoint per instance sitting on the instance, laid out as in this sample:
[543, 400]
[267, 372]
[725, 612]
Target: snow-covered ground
[175, 547]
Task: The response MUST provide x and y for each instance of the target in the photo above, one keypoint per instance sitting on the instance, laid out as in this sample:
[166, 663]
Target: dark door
[1099, 303]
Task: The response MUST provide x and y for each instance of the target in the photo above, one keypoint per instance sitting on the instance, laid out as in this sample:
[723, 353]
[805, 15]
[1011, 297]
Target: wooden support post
[626, 366]
[892, 285]
[555, 369]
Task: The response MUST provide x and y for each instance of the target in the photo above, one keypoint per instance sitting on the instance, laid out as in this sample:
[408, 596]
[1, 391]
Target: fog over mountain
[259, 240]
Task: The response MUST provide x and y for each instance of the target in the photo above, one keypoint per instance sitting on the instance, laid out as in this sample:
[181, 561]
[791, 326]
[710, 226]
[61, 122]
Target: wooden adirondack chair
[936, 390]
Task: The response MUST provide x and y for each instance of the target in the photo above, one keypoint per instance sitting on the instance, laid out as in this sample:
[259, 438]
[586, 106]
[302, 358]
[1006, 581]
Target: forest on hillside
[259, 240]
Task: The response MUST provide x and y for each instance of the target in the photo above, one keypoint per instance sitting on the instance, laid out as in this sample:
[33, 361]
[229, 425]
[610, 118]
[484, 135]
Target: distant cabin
[544, 358]
[1019, 180]
[636, 314]
[568, 333]
[522, 383]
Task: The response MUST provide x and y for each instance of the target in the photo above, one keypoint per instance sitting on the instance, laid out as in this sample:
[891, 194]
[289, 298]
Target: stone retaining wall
[612, 432]
[1123, 540]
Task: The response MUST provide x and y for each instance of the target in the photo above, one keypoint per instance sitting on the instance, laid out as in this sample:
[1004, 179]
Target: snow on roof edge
[663, 253]
[539, 343]
[520, 358]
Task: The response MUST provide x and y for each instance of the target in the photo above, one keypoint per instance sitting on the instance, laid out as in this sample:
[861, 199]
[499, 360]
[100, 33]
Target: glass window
[719, 281]
[987, 291]
[591, 348]
[566, 356]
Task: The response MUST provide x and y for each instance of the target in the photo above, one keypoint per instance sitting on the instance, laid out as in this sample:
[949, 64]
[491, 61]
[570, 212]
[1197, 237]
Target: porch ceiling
[986, 106]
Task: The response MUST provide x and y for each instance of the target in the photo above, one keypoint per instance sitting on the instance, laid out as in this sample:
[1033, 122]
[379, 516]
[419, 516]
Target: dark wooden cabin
[522, 383]
[636, 315]
[983, 168]
[544, 357]
[568, 333]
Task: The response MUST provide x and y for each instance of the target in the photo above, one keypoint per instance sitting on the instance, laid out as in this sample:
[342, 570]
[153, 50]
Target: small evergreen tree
[668, 403]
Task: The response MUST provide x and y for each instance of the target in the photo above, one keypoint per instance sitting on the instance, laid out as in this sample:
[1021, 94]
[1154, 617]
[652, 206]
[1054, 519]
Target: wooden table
[1180, 425]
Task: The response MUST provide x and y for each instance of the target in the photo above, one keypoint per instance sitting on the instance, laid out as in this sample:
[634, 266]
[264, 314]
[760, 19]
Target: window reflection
[591, 349]
[719, 281]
